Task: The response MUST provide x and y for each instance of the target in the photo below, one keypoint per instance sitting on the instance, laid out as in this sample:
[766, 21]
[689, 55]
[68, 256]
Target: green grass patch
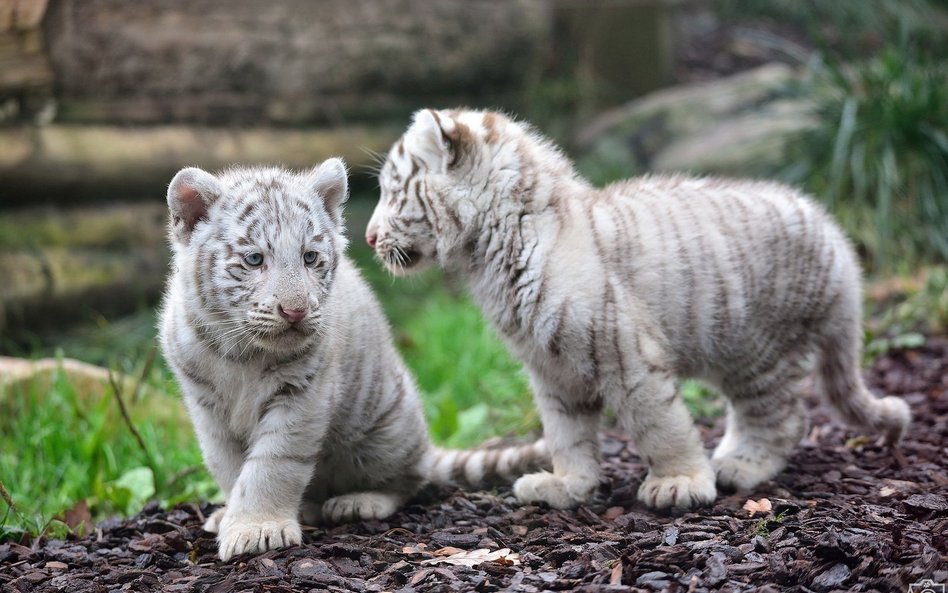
[905, 315]
[59, 447]
[473, 388]
[702, 401]
[763, 526]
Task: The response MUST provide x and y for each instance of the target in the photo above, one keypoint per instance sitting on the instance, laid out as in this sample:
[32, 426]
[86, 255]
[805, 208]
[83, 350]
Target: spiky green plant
[879, 157]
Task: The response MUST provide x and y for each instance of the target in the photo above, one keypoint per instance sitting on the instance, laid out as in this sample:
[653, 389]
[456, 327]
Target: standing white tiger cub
[302, 406]
[611, 295]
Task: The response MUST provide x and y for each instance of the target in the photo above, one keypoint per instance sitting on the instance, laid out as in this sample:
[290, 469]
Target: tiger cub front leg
[680, 473]
[223, 454]
[263, 506]
[570, 428]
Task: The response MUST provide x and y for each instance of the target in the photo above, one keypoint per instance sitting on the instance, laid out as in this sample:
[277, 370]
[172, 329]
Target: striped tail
[844, 388]
[486, 466]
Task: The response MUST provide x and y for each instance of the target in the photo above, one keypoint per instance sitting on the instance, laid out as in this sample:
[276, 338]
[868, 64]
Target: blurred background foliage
[846, 99]
[879, 159]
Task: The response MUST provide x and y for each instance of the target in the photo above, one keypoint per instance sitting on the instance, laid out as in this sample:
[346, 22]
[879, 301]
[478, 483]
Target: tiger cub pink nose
[291, 315]
[371, 238]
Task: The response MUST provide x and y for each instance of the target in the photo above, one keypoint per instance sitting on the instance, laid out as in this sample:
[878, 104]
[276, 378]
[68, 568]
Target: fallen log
[72, 164]
[51, 287]
[296, 63]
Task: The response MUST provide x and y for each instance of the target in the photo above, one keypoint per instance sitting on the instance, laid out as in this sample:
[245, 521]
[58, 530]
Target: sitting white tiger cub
[611, 295]
[302, 406]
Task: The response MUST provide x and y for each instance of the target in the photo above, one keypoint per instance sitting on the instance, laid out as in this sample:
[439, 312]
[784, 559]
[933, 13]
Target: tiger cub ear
[190, 195]
[440, 140]
[330, 182]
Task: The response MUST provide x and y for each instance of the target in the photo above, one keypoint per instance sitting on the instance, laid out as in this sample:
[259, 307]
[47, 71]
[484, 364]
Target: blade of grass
[847, 124]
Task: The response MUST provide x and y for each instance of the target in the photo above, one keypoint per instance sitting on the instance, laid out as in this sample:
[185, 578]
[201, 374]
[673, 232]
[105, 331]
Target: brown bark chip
[846, 515]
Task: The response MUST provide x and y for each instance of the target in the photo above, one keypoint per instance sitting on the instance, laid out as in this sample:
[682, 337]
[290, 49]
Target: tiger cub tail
[486, 465]
[843, 386]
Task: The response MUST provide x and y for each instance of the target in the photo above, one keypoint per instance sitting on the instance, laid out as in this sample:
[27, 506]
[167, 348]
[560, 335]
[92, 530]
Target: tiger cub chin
[302, 406]
[611, 295]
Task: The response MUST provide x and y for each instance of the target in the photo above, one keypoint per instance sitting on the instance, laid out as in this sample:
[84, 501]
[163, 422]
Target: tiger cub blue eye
[253, 259]
[309, 257]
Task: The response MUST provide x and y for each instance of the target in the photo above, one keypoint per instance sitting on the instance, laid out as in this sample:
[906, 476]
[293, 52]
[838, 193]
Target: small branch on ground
[5, 495]
[184, 473]
[149, 362]
[11, 507]
[117, 392]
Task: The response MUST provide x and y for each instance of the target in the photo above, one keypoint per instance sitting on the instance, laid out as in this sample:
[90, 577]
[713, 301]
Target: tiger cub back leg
[655, 415]
[643, 391]
[361, 506]
[765, 421]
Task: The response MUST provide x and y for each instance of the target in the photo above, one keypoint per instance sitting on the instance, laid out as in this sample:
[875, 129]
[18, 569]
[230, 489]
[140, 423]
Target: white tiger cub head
[257, 250]
[447, 167]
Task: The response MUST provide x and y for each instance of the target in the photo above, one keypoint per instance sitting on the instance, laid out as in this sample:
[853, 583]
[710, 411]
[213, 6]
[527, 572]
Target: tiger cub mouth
[401, 257]
[412, 257]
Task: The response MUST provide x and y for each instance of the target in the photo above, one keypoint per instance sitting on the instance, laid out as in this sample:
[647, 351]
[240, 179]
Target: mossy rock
[737, 125]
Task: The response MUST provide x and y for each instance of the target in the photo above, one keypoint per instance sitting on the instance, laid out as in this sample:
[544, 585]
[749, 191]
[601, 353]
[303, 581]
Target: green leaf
[133, 489]
[472, 425]
[910, 340]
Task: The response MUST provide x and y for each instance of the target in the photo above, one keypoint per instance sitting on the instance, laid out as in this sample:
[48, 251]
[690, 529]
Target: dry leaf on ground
[416, 549]
[448, 551]
[612, 513]
[757, 506]
[78, 518]
[474, 557]
[615, 577]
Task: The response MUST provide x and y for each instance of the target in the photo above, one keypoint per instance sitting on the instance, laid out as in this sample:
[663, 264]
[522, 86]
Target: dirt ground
[847, 515]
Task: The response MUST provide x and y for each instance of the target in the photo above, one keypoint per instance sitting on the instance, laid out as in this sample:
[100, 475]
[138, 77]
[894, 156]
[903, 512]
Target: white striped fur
[315, 418]
[610, 296]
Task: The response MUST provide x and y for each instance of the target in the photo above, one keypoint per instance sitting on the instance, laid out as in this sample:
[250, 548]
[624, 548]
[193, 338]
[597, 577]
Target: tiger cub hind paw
[560, 492]
[743, 472]
[682, 491]
[213, 523]
[360, 506]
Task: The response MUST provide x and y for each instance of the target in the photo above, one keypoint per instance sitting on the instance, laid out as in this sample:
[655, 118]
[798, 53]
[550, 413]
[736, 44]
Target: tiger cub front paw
[253, 536]
[560, 492]
[684, 491]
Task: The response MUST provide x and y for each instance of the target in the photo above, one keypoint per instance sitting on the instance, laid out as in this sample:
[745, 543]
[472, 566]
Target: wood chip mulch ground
[847, 515]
